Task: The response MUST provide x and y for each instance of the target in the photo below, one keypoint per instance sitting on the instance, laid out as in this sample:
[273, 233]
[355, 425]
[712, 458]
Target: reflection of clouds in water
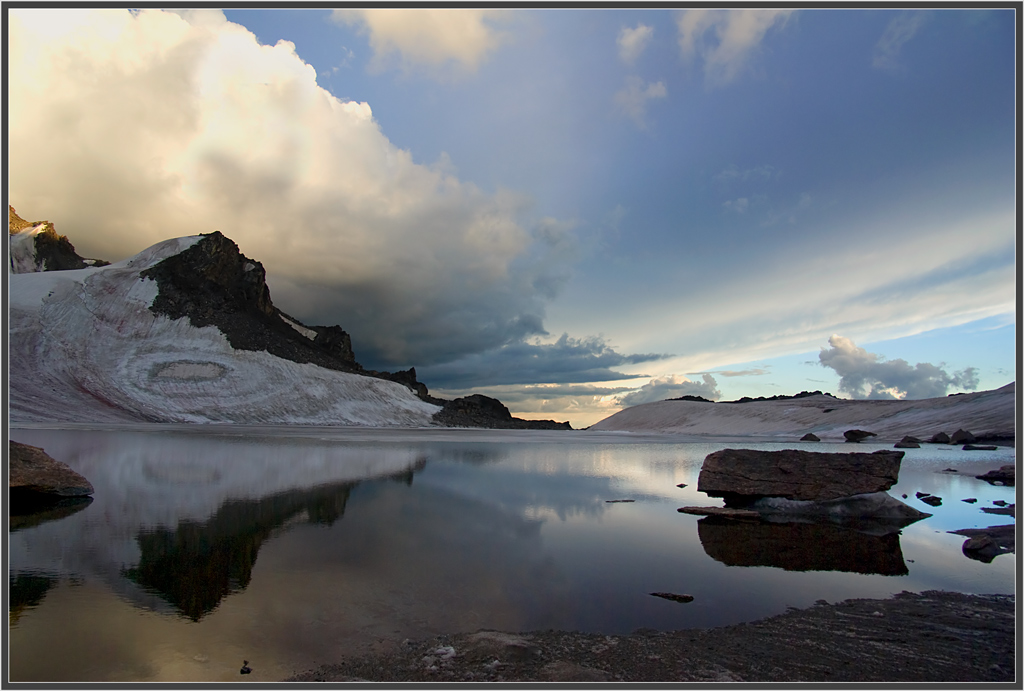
[423, 560]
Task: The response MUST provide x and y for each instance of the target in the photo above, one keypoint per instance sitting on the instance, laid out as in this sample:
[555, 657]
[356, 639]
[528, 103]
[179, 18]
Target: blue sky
[572, 210]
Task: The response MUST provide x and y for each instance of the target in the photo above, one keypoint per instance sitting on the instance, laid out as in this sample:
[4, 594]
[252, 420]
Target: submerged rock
[878, 506]
[1004, 476]
[743, 475]
[985, 544]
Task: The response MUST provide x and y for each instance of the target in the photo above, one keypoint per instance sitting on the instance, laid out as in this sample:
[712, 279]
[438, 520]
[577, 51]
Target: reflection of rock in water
[28, 514]
[801, 546]
[26, 591]
[196, 565]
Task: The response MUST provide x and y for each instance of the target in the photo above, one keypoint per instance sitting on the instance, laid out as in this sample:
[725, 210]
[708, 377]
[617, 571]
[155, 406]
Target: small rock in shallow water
[932, 500]
[999, 502]
[681, 484]
[619, 501]
[674, 597]
[921, 495]
[971, 500]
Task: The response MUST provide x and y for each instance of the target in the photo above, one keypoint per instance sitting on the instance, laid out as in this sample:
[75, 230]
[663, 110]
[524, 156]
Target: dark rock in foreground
[1004, 476]
[739, 475]
[913, 637]
[36, 477]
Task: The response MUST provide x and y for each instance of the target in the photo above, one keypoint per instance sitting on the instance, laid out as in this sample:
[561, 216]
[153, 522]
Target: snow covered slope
[84, 346]
[827, 417]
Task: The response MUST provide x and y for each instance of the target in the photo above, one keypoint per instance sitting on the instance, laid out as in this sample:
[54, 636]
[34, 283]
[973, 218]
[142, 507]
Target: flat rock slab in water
[924, 637]
[794, 474]
[719, 511]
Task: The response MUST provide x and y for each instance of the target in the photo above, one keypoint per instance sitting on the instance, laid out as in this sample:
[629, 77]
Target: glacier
[84, 346]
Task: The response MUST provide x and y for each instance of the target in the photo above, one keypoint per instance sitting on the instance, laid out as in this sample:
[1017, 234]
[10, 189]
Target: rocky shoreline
[934, 636]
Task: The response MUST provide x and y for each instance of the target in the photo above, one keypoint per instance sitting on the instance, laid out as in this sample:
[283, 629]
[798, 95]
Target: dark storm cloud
[568, 360]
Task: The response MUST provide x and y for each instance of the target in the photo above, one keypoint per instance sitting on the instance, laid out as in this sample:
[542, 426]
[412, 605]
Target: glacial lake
[291, 547]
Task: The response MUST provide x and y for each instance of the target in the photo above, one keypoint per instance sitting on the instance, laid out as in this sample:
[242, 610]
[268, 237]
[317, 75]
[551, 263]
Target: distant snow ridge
[86, 347]
[983, 413]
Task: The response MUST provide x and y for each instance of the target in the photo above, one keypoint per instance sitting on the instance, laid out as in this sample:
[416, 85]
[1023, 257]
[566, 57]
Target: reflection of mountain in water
[199, 563]
[802, 546]
[26, 591]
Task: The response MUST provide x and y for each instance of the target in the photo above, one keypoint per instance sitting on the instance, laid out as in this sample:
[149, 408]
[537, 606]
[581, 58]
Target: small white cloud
[736, 35]
[901, 29]
[632, 99]
[434, 38]
[632, 42]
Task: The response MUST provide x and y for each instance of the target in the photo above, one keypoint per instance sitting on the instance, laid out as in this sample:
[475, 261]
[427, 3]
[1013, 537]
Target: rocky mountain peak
[44, 249]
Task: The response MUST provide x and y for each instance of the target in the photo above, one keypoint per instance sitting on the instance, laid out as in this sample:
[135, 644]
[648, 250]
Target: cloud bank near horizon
[868, 375]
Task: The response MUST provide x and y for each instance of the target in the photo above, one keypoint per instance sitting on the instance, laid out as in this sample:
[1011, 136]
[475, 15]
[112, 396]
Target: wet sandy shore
[930, 637]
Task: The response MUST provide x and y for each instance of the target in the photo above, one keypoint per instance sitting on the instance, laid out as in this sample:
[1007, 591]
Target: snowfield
[827, 417]
[84, 347]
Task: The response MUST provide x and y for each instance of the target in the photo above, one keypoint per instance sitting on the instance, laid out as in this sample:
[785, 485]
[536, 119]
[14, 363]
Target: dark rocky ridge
[483, 411]
[214, 284]
[54, 252]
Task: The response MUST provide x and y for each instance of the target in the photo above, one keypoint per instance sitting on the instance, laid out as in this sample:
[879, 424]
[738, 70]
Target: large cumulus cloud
[129, 127]
[867, 375]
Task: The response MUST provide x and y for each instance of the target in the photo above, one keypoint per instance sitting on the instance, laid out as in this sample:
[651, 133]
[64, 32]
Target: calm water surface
[292, 547]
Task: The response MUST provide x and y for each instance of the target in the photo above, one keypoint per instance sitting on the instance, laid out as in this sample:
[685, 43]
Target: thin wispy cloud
[632, 42]
[633, 98]
[899, 31]
[724, 41]
[735, 373]
[762, 173]
[672, 386]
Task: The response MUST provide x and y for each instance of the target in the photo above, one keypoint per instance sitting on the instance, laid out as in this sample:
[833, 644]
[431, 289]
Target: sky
[572, 210]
